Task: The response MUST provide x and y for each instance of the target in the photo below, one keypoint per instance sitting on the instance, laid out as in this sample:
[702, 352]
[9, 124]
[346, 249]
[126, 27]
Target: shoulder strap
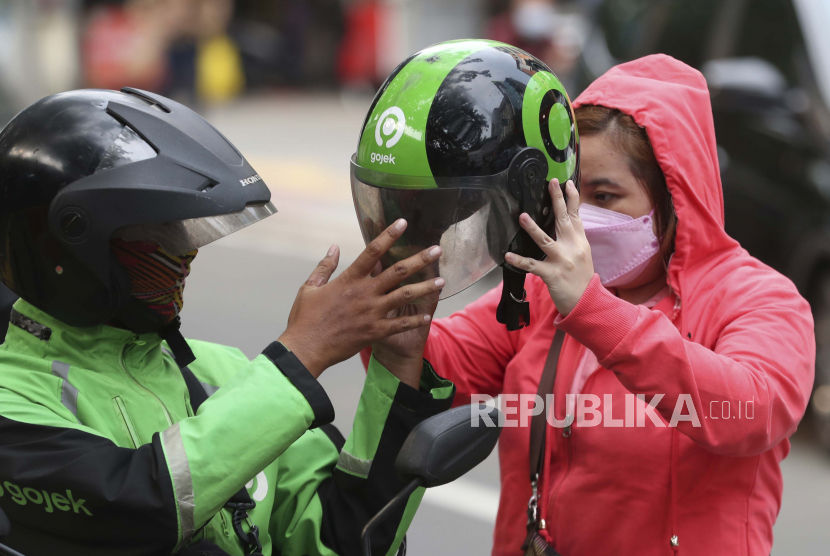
[195, 388]
[197, 397]
[537, 423]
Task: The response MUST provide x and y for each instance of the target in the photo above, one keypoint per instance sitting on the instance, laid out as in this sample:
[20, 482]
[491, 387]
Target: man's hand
[332, 321]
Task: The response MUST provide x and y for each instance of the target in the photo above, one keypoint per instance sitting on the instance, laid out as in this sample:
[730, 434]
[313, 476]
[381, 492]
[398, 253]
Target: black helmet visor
[183, 236]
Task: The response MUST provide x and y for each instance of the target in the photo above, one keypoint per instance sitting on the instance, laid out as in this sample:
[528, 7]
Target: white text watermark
[589, 410]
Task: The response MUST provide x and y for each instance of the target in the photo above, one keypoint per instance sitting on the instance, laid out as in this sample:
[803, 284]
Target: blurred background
[290, 81]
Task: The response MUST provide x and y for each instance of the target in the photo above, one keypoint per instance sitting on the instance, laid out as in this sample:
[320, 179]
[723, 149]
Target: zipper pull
[676, 308]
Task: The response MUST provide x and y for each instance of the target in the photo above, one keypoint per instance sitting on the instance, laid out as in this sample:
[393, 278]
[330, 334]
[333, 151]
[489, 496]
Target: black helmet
[80, 168]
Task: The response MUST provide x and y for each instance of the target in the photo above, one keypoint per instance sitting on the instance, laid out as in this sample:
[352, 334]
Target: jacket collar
[33, 332]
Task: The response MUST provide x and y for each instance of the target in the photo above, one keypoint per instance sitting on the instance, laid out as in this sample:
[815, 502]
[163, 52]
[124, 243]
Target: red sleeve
[764, 353]
[470, 348]
[365, 355]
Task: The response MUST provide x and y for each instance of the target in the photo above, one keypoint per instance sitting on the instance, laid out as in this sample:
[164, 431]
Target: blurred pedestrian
[40, 53]
[219, 73]
[555, 32]
[126, 45]
[526, 24]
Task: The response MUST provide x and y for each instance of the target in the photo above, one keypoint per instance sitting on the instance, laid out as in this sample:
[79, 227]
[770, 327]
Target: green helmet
[460, 140]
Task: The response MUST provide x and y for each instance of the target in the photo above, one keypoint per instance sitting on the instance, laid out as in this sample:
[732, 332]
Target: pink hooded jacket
[733, 331]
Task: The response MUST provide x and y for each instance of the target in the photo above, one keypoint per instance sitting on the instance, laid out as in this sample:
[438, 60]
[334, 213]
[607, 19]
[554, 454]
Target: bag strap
[537, 422]
[197, 392]
[538, 426]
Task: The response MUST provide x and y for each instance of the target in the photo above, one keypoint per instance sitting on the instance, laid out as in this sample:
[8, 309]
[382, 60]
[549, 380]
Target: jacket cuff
[435, 385]
[303, 381]
[434, 395]
[600, 320]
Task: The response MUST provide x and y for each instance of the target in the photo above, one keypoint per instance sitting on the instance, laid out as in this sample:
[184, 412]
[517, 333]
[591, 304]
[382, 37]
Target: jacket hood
[671, 101]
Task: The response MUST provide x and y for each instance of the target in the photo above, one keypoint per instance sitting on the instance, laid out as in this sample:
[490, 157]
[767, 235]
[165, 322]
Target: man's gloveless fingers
[390, 327]
[325, 268]
[377, 270]
[401, 270]
[370, 256]
[413, 292]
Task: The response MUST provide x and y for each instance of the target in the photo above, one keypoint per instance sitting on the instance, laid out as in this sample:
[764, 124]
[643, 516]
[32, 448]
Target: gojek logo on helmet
[391, 122]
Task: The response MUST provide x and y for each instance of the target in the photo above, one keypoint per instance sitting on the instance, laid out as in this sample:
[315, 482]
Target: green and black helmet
[460, 140]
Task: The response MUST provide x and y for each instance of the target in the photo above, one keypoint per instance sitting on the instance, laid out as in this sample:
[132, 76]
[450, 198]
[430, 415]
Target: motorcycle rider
[117, 436]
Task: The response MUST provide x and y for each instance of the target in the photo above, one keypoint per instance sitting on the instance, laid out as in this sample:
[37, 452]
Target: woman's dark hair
[632, 141]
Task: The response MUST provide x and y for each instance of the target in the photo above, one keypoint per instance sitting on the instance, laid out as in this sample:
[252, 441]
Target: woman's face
[607, 182]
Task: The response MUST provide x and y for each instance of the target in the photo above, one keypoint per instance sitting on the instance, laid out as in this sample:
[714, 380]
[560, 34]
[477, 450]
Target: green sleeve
[324, 499]
[237, 432]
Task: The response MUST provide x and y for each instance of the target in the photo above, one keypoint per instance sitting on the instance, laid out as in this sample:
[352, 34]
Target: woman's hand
[568, 268]
[332, 321]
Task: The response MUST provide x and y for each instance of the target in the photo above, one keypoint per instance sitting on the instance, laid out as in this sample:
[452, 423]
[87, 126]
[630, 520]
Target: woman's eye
[604, 197]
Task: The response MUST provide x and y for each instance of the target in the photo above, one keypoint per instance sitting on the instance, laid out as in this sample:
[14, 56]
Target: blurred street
[242, 288]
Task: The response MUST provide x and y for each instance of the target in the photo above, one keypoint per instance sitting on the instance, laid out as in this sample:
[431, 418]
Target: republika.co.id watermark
[589, 410]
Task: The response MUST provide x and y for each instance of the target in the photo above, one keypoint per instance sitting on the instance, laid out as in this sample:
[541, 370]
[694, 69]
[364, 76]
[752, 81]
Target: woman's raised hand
[568, 268]
[333, 320]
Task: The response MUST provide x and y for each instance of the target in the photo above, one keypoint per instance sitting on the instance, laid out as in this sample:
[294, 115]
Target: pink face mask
[621, 246]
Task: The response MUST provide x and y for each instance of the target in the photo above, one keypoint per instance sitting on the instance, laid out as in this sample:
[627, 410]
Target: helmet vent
[146, 98]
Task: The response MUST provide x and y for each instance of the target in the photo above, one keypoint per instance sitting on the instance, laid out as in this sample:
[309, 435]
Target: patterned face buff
[157, 276]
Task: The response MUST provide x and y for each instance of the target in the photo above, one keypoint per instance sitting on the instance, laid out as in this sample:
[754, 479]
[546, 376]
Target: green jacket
[101, 454]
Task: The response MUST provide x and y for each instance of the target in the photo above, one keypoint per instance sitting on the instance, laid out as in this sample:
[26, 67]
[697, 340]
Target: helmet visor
[473, 227]
[183, 236]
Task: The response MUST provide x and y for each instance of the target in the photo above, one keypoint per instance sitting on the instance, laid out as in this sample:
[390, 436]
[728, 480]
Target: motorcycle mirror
[438, 451]
[446, 446]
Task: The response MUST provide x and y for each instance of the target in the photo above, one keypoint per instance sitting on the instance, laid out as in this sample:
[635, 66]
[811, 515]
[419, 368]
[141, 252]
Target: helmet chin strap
[178, 345]
[513, 310]
[527, 182]
[137, 317]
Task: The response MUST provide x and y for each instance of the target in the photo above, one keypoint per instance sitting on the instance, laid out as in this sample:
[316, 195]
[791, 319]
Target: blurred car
[767, 63]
